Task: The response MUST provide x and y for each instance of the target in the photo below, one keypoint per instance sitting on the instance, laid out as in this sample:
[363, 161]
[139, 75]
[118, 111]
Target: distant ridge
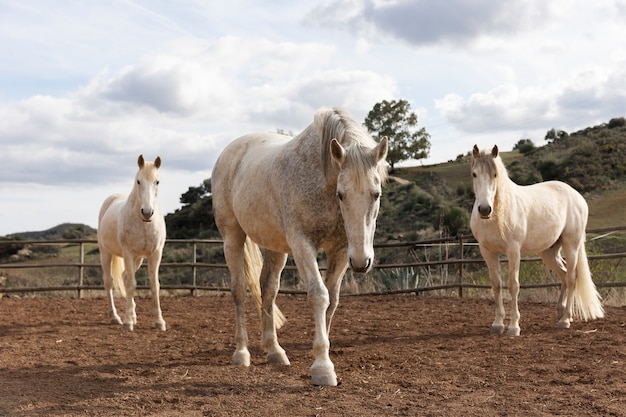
[61, 231]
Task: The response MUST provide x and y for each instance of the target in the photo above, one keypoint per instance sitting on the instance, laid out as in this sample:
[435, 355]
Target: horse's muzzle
[484, 212]
[361, 269]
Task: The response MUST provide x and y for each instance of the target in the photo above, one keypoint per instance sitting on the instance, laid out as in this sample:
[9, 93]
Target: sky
[86, 86]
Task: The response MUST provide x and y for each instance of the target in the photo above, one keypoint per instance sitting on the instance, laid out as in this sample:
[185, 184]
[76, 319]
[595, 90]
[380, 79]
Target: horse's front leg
[273, 264]
[322, 370]
[514, 262]
[153, 272]
[131, 266]
[493, 265]
[234, 255]
[337, 265]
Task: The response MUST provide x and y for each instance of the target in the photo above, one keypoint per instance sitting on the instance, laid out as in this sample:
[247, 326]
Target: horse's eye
[376, 196]
[138, 182]
[474, 174]
[157, 183]
[340, 196]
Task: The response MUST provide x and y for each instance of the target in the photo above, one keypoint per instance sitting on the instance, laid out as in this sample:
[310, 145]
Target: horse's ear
[476, 151]
[157, 162]
[140, 161]
[337, 151]
[494, 151]
[380, 153]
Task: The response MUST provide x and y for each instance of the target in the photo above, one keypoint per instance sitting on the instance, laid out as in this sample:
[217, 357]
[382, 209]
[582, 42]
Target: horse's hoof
[116, 320]
[241, 358]
[160, 326]
[497, 330]
[563, 324]
[127, 326]
[278, 358]
[513, 331]
[324, 375]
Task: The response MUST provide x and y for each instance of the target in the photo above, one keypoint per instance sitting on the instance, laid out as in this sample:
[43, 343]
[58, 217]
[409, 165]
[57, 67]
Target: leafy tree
[395, 120]
[554, 135]
[617, 122]
[524, 146]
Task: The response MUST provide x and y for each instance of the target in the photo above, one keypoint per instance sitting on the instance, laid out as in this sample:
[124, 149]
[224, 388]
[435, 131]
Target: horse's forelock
[337, 123]
[149, 171]
[490, 164]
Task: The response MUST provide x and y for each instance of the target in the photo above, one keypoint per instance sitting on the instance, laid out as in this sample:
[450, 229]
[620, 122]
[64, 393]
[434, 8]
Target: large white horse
[130, 228]
[318, 191]
[541, 218]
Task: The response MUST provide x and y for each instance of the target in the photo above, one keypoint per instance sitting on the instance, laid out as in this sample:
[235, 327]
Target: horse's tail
[587, 301]
[253, 263]
[117, 271]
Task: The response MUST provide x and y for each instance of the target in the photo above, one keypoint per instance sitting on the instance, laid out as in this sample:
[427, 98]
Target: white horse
[130, 228]
[318, 191]
[540, 218]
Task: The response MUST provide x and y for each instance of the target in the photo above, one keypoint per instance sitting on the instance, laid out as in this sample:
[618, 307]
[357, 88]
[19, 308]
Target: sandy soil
[394, 355]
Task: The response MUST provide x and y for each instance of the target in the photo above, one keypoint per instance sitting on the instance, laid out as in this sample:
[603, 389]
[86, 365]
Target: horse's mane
[337, 123]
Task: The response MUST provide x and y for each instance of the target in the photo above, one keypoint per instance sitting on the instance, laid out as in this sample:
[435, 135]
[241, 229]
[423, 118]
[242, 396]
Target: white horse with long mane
[318, 191]
[131, 228]
[541, 218]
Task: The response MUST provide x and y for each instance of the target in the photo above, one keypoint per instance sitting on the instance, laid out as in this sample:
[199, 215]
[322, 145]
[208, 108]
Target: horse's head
[485, 180]
[147, 186]
[359, 185]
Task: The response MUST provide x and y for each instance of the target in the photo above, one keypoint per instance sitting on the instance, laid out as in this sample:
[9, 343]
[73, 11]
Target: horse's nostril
[484, 210]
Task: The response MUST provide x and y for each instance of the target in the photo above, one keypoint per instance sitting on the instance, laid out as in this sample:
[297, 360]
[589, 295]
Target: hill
[61, 231]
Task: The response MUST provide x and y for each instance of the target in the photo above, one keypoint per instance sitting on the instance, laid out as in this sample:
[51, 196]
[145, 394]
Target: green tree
[395, 120]
[524, 146]
[554, 135]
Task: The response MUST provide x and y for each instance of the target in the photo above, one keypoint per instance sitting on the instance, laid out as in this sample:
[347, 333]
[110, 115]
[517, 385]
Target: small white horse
[130, 228]
[318, 191]
[540, 218]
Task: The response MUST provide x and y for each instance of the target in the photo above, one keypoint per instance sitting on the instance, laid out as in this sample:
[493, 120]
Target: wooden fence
[194, 266]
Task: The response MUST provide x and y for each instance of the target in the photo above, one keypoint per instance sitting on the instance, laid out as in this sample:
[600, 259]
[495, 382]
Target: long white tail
[117, 271]
[253, 263]
[587, 301]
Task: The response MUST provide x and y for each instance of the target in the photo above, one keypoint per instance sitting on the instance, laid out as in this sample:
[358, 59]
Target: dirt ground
[394, 355]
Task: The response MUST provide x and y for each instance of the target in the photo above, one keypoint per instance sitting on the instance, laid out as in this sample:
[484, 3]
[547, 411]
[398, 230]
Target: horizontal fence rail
[462, 244]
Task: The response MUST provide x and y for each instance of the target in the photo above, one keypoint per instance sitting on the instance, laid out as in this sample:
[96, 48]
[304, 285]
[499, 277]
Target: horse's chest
[143, 239]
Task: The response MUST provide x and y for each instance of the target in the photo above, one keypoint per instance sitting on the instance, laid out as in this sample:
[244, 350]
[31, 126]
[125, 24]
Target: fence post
[193, 268]
[461, 267]
[81, 268]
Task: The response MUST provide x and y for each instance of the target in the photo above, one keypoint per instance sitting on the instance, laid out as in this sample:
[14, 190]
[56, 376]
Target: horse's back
[242, 181]
[561, 199]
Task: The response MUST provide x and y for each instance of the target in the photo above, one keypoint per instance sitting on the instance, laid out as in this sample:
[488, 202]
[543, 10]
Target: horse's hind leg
[567, 292]
[153, 271]
[553, 260]
[106, 259]
[273, 264]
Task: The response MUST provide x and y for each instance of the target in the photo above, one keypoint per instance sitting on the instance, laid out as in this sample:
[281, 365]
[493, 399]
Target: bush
[617, 122]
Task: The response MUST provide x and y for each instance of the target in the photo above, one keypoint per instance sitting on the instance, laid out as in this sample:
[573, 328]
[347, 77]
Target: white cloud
[590, 96]
[423, 22]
